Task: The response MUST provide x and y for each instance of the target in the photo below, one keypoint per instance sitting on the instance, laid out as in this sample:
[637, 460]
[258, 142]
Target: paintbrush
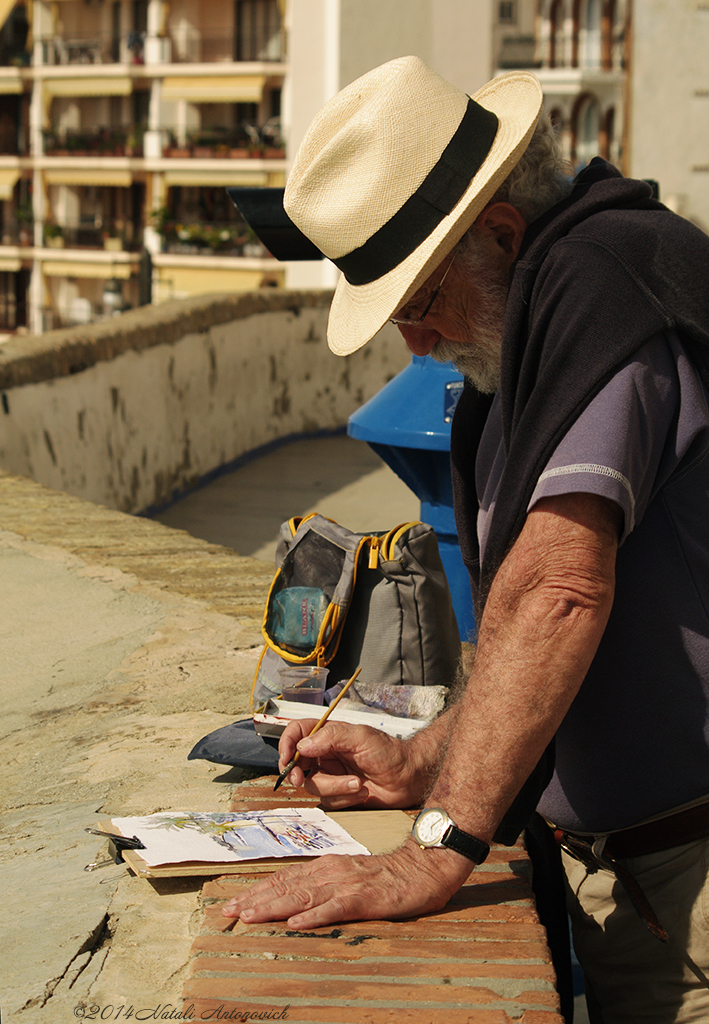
[291, 764]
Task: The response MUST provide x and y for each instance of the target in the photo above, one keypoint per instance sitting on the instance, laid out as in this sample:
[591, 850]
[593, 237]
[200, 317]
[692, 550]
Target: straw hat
[392, 172]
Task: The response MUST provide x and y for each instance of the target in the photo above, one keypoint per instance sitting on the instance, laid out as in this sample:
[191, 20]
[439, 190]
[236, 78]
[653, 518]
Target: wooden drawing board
[378, 831]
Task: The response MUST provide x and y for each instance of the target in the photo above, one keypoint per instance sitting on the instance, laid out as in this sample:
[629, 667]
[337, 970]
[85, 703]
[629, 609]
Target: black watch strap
[462, 842]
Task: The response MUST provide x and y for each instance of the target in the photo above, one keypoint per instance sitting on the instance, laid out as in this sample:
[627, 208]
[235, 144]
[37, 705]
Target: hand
[406, 883]
[352, 765]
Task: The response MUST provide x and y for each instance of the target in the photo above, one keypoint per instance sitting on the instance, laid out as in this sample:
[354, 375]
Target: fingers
[330, 751]
[291, 736]
[306, 898]
[337, 791]
[293, 896]
[335, 740]
[334, 790]
[405, 883]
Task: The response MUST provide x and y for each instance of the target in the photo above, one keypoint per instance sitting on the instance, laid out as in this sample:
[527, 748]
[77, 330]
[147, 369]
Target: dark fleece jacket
[597, 276]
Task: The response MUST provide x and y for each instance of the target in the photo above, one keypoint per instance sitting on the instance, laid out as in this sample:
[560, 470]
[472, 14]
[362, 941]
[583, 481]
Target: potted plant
[53, 235]
[163, 220]
[173, 149]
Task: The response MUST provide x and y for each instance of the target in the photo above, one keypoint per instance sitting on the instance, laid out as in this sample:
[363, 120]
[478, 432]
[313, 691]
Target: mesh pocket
[314, 561]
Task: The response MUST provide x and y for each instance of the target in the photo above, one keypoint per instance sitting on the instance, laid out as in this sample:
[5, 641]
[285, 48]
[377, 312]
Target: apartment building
[121, 122]
[625, 81]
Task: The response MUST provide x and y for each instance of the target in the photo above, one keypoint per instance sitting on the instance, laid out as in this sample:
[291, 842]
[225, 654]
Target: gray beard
[480, 358]
[480, 362]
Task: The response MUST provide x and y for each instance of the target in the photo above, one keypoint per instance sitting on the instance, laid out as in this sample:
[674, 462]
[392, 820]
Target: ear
[506, 225]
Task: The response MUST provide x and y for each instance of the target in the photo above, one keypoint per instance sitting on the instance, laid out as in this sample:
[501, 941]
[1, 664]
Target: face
[464, 322]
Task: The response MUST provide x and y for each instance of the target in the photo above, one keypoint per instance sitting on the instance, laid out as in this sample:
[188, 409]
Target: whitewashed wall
[128, 412]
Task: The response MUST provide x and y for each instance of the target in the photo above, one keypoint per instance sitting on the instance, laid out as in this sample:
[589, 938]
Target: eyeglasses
[409, 321]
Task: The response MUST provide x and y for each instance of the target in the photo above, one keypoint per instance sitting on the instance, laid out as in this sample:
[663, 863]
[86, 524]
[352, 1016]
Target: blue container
[408, 424]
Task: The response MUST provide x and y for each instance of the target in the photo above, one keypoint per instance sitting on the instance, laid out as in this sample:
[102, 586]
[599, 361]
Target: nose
[420, 340]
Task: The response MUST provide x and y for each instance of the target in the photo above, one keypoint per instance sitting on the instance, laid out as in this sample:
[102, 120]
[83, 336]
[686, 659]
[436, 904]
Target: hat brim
[359, 311]
[262, 209]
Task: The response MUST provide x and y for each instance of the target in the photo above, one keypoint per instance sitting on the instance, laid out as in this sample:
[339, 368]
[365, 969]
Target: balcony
[113, 235]
[196, 238]
[128, 48]
[16, 234]
[246, 141]
[121, 141]
[186, 45]
[190, 46]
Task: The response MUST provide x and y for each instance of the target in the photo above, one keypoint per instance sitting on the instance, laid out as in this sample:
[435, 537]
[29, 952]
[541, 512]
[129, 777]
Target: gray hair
[541, 178]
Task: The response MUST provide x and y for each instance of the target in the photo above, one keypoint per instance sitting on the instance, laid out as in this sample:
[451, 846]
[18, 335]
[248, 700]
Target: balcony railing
[183, 46]
[16, 234]
[14, 57]
[192, 238]
[94, 142]
[128, 48]
[233, 143]
[114, 235]
[190, 46]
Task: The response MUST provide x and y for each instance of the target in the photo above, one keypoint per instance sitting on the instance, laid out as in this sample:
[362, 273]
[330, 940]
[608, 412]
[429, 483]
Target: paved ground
[122, 643]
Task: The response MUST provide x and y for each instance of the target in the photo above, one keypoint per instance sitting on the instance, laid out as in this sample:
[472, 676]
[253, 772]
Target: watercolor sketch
[172, 837]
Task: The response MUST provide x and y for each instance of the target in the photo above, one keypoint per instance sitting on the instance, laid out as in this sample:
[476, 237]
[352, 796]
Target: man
[581, 494]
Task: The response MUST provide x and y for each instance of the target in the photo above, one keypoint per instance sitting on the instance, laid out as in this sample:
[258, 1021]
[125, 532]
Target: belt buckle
[577, 848]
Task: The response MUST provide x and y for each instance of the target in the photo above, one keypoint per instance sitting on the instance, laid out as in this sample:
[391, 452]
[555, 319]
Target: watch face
[431, 826]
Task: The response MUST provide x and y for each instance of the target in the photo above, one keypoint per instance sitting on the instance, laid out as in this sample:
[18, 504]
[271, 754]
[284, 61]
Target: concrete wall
[132, 410]
[669, 126]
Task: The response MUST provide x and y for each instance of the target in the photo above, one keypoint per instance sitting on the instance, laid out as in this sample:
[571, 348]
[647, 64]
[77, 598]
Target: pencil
[291, 764]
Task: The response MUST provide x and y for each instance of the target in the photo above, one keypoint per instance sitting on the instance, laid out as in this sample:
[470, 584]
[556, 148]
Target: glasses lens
[409, 315]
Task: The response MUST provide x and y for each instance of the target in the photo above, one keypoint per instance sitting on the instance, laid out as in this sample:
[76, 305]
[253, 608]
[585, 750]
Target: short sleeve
[633, 434]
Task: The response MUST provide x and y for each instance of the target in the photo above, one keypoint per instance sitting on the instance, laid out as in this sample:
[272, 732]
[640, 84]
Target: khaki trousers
[632, 977]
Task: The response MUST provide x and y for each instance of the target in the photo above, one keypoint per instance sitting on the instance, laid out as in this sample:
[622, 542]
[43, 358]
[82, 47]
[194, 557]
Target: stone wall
[132, 411]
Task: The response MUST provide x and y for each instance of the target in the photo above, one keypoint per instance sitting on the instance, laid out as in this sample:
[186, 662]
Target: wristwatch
[434, 828]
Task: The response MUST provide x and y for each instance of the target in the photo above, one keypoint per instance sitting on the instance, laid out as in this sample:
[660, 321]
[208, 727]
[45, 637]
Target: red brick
[437, 969]
[331, 990]
[489, 934]
[470, 948]
[355, 932]
[379, 1015]
[504, 934]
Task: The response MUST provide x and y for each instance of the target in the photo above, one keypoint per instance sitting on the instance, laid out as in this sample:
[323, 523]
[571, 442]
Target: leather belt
[675, 829]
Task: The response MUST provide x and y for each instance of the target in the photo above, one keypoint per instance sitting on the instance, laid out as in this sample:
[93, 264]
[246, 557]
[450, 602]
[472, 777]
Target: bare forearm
[541, 627]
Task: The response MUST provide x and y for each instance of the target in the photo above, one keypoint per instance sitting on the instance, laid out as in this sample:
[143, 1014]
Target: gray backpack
[344, 599]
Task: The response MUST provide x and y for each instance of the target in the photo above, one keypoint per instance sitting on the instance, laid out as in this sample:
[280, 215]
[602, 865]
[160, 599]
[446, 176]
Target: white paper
[172, 837]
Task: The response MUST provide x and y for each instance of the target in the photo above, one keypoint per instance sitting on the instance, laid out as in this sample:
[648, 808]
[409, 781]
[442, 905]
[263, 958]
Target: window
[556, 20]
[258, 30]
[591, 35]
[506, 12]
[588, 124]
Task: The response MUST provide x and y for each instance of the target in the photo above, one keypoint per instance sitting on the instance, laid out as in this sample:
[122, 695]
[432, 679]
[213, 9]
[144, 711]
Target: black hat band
[434, 199]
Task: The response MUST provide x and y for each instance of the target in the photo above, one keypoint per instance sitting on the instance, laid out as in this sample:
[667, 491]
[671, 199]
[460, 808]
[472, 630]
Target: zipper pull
[374, 545]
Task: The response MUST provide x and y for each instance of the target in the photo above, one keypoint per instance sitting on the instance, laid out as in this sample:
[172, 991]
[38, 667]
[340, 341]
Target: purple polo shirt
[635, 741]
